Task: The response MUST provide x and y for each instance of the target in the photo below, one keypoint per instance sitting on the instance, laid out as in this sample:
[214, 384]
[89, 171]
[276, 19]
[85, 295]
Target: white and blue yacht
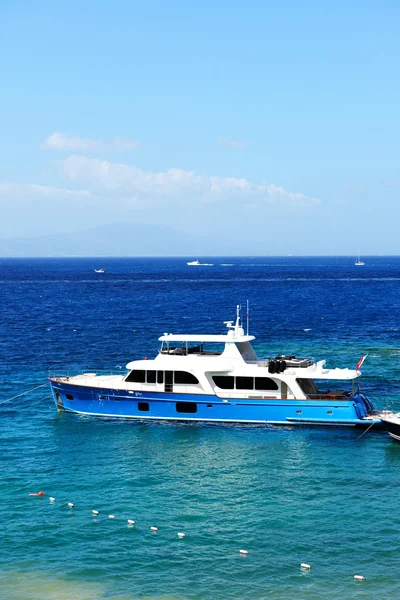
[220, 378]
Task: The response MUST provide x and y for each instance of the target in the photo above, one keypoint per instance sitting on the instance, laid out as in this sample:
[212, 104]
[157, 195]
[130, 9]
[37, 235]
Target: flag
[360, 362]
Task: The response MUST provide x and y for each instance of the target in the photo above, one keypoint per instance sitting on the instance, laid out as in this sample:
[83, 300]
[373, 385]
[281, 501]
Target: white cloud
[75, 143]
[12, 190]
[114, 178]
[234, 143]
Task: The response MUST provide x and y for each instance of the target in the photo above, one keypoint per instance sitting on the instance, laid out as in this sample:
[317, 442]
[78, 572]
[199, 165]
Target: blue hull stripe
[102, 402]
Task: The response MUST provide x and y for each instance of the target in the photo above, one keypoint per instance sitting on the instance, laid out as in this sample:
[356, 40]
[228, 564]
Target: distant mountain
[124, 239]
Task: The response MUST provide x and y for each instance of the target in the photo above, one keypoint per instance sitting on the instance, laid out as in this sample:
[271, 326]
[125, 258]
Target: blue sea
[327, 497]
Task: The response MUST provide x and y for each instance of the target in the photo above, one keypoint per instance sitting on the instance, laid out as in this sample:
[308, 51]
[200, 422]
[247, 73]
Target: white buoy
[95, 513]
[305, 566]
[111, 516]
[181, 535]
[154, 528]
[70, 505]
[131, 522]
[51, 499]
[359, 577]
[243, 552]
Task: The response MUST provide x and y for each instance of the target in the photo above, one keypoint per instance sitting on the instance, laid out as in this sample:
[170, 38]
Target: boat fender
[283, 366]
[271, 367]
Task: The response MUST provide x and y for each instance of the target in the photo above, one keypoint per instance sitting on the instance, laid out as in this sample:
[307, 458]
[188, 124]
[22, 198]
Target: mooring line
[359, 438]
[24, 393]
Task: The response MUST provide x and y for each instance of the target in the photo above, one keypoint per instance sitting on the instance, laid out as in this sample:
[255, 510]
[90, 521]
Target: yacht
[220, 378]
[392, 424]
[100, 271]
[193, 263]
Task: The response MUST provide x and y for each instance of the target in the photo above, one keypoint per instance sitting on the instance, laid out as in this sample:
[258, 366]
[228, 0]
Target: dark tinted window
[184, 377]
[186, 407]
[136, 376]
[151, 376]
[160, 376]
[244, 383]
[69, 397]
[265, 383]
[144, 406]
[225, 382]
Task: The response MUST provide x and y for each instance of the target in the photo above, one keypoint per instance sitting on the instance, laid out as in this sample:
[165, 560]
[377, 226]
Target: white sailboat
[359, 263]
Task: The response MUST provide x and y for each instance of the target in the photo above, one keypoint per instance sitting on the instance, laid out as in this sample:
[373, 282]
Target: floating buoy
[154, 528]
[181, 535]
[305, 566]
[131, 522]
[359, 577]
[111, 516]
[51, 499]
[33, 494]
[40, 493]
[95, 513]
[70, 504]
[243, 552]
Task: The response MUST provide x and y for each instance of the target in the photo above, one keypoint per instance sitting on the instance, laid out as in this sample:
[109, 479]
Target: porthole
[299, 412]
[330, 412]
[69, 397]
[209, 405]
[186, 407]
[143, 406]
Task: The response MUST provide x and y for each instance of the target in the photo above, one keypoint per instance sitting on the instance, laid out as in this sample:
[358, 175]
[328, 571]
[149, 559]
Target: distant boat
[100, 271]
[196, 263]
[359, 263]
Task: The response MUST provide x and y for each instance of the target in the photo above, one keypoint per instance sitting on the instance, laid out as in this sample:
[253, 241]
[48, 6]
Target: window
[69, 397]
[225, 382]
[151, 376]
[136, 376]
[308, 387]
[184, 377]
[244, 383]
[160, 376]
[265, 383]
[186, 407]
[143, 406]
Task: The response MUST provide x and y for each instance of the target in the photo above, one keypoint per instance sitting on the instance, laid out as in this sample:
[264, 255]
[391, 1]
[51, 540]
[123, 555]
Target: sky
[257, 121]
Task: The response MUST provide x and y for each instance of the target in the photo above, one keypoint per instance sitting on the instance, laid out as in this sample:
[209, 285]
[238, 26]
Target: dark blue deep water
[327, 497]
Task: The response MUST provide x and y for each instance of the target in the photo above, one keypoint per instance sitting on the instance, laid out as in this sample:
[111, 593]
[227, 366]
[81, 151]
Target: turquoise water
[327, 497]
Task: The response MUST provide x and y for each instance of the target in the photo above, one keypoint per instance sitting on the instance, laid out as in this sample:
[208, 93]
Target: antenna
[247, 315]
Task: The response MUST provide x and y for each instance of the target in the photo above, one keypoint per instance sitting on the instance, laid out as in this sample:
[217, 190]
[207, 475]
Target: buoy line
[24, 393]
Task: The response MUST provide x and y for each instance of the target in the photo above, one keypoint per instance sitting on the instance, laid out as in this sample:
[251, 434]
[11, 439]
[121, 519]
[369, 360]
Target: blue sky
[240, 120]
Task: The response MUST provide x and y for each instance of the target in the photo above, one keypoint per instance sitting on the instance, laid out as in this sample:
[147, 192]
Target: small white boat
[100, 271]
[359, 263]
[194, 263]
[197, 263]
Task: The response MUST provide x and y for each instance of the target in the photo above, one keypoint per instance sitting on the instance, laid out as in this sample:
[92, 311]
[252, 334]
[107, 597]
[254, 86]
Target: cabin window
[225, 382]
[186, 407]
[244, 383]
[265, 383]
[151, 377]
[143, 406]
[160, 376]
[184, 377]
[308, 387]
[69, 397]
[136, 377]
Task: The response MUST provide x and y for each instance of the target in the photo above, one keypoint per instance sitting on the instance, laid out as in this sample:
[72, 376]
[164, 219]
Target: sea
[328, 497]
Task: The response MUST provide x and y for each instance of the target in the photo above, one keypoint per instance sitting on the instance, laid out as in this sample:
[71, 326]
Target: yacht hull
[393, 428]
[114, 403]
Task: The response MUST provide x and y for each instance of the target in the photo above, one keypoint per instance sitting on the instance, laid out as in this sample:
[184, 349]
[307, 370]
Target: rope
[24, 393]
[364, 432]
